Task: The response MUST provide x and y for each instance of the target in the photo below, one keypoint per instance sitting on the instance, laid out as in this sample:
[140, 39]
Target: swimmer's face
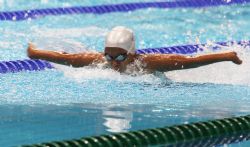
[118, 58]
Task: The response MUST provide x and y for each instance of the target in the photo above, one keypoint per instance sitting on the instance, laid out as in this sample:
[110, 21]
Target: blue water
[67, 102]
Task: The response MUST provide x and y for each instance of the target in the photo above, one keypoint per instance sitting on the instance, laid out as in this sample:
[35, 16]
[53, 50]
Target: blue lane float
[191, 49]
[36, 65]
[23, 65]
[102, 9]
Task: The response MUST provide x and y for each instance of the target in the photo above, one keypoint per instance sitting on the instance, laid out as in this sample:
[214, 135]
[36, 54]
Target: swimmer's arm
[159, 62]
[75, 60]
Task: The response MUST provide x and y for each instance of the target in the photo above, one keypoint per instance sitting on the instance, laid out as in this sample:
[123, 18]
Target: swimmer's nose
[115, 65]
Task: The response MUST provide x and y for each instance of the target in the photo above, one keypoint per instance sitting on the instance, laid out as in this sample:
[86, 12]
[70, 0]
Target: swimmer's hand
[31, 50]
[235, 58]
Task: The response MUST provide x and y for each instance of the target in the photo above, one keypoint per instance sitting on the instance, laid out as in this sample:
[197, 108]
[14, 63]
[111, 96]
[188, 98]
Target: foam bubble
[96, 73]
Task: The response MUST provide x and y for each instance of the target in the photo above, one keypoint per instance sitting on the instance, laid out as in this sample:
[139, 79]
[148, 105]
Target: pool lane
[102, 9]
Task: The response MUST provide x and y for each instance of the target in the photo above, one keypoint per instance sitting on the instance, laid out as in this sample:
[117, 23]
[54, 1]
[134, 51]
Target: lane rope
[208, 133]
[110, 8]
[191, 49]
[24, 65]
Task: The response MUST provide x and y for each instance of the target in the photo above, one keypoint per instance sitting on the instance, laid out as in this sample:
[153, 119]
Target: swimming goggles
[118, 58]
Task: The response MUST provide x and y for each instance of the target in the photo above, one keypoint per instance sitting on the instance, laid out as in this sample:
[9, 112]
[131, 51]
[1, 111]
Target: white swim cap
[121, 37]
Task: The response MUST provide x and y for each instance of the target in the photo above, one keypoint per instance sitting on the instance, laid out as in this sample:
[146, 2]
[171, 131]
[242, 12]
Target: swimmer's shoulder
[154, 62]
[88, 58]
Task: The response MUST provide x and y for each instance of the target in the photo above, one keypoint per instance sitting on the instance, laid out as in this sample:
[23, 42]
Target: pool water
[66, 103]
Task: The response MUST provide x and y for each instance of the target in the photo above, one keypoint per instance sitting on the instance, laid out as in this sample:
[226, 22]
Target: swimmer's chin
[117, 69]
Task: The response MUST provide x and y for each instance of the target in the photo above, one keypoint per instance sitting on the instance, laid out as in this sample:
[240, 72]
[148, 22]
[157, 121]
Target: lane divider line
[110, 8]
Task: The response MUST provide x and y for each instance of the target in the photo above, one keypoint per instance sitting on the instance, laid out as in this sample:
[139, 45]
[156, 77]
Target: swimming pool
[66, 103]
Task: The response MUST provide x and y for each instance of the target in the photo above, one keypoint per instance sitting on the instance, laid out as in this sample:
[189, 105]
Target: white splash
[44, 1]
[65, 45]
[96, 73]
[71, 32]
[220, 73]
[64, 39]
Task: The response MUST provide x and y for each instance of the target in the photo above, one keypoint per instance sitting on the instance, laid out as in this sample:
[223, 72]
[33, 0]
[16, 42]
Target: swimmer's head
[120, 48]
[121, 37]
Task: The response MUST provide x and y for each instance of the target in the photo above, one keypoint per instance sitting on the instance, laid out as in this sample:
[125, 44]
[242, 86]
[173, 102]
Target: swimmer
[119, 54]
